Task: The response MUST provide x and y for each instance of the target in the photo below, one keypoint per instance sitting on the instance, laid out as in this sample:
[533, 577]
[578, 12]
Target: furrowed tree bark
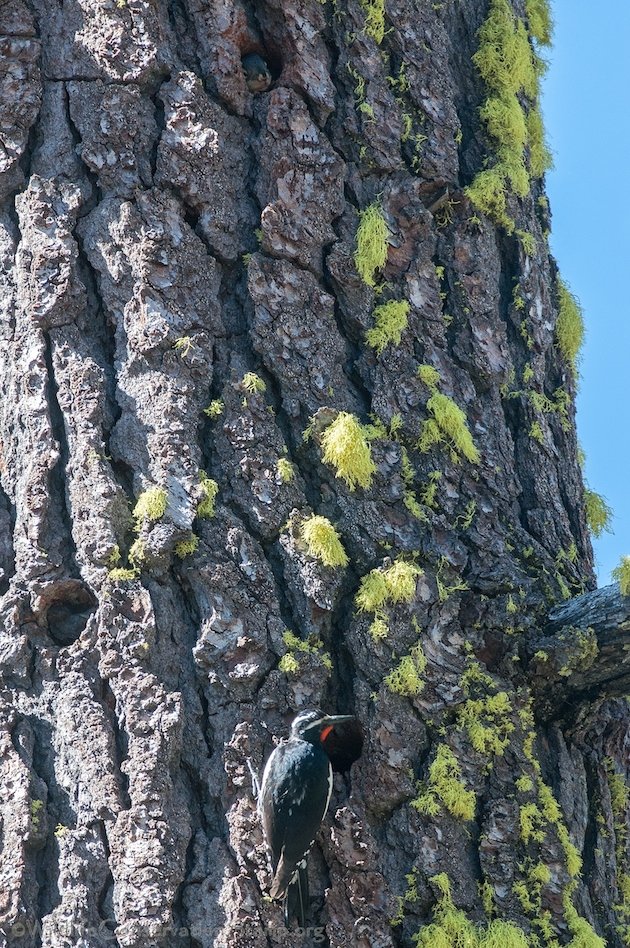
[180, 305]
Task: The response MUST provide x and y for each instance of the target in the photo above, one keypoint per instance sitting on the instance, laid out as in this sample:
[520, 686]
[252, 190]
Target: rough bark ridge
[164, 233]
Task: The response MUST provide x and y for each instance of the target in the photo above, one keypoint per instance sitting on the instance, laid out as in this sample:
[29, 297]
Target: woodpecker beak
[338, 718]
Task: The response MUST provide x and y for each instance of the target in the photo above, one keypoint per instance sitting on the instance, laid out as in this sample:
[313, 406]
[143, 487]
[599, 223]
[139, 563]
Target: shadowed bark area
[182, 323]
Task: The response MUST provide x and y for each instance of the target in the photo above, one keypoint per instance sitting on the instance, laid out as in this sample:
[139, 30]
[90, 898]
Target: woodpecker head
[257, 75]
[315, 726]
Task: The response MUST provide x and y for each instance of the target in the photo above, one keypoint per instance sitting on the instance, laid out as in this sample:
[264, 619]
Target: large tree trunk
[165, 233]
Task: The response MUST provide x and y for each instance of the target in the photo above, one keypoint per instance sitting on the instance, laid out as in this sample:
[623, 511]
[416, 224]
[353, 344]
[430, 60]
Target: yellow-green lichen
[487, 722]
[429, 375]
[621, 575]
[452, 929]
[361, 104]
[535, 818]
[448, 423]
[406, 678]
[445, 589]
[584, 650]
[186, 547]
[430, 490]
[374, 19]
[528, 242]
[381, 587]
[378, 628]
[36, 807]
[137, 552]
[286, 470]
[569, 325]
[346, 447]
[445, 788]
[253, 383]
[619, 796]
[114, 557]
[582, 931]
[540, 21]
[488, 193]
[465, 520]
[373, 234]
[215, 409]
[529, 890]
[474, 677]
[411, 503]
[540, 159]
[151, 505]
[208, 489]
[322, 541]
[598, 513]
[619, 800]
[122, 575]
[396, 583]
[183, 346]
[510, 70]
[486, 894]
[390, 321]
[532, 823]
[410, 895]
[289, 662]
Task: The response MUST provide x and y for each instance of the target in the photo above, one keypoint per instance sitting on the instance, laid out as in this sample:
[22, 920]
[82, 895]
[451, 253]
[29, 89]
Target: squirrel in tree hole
[257, 75]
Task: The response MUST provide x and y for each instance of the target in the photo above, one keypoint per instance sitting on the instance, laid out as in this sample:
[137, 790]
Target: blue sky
[585, 103]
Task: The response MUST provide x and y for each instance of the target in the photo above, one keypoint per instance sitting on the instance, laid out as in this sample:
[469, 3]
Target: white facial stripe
[330, 786]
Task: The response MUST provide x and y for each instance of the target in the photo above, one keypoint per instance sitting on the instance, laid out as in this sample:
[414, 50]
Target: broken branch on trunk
[583, 652]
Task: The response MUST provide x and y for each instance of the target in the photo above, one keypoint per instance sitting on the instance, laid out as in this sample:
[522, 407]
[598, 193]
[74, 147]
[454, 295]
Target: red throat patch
[325, 732]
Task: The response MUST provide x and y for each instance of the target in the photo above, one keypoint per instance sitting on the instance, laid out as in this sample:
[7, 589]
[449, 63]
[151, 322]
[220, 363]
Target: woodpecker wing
[294, 797]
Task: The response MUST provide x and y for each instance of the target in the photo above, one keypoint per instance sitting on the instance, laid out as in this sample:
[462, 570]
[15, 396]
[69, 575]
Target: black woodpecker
[257, 75]
[293, 800]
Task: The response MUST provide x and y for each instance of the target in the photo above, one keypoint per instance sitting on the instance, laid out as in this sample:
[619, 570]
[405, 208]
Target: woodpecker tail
[296, 898]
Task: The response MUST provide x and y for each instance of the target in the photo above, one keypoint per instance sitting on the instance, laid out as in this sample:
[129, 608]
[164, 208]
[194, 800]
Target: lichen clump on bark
[396, 583]
[446, 788]
[289, 663]
[346, 447]
[569, 326]
[451, 928]
[390, 321]
[510, 69]
[406, 678]
[187, 547]
[151, 505]
[208, 488]
[286, 470]
[372, 242]
[322, 541]
[448, 422]
[598, 513]
[540, 21]
[374, 19]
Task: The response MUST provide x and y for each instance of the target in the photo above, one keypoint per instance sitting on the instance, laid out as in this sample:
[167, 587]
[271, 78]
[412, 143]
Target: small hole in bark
[68, 613]
[345, 745]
